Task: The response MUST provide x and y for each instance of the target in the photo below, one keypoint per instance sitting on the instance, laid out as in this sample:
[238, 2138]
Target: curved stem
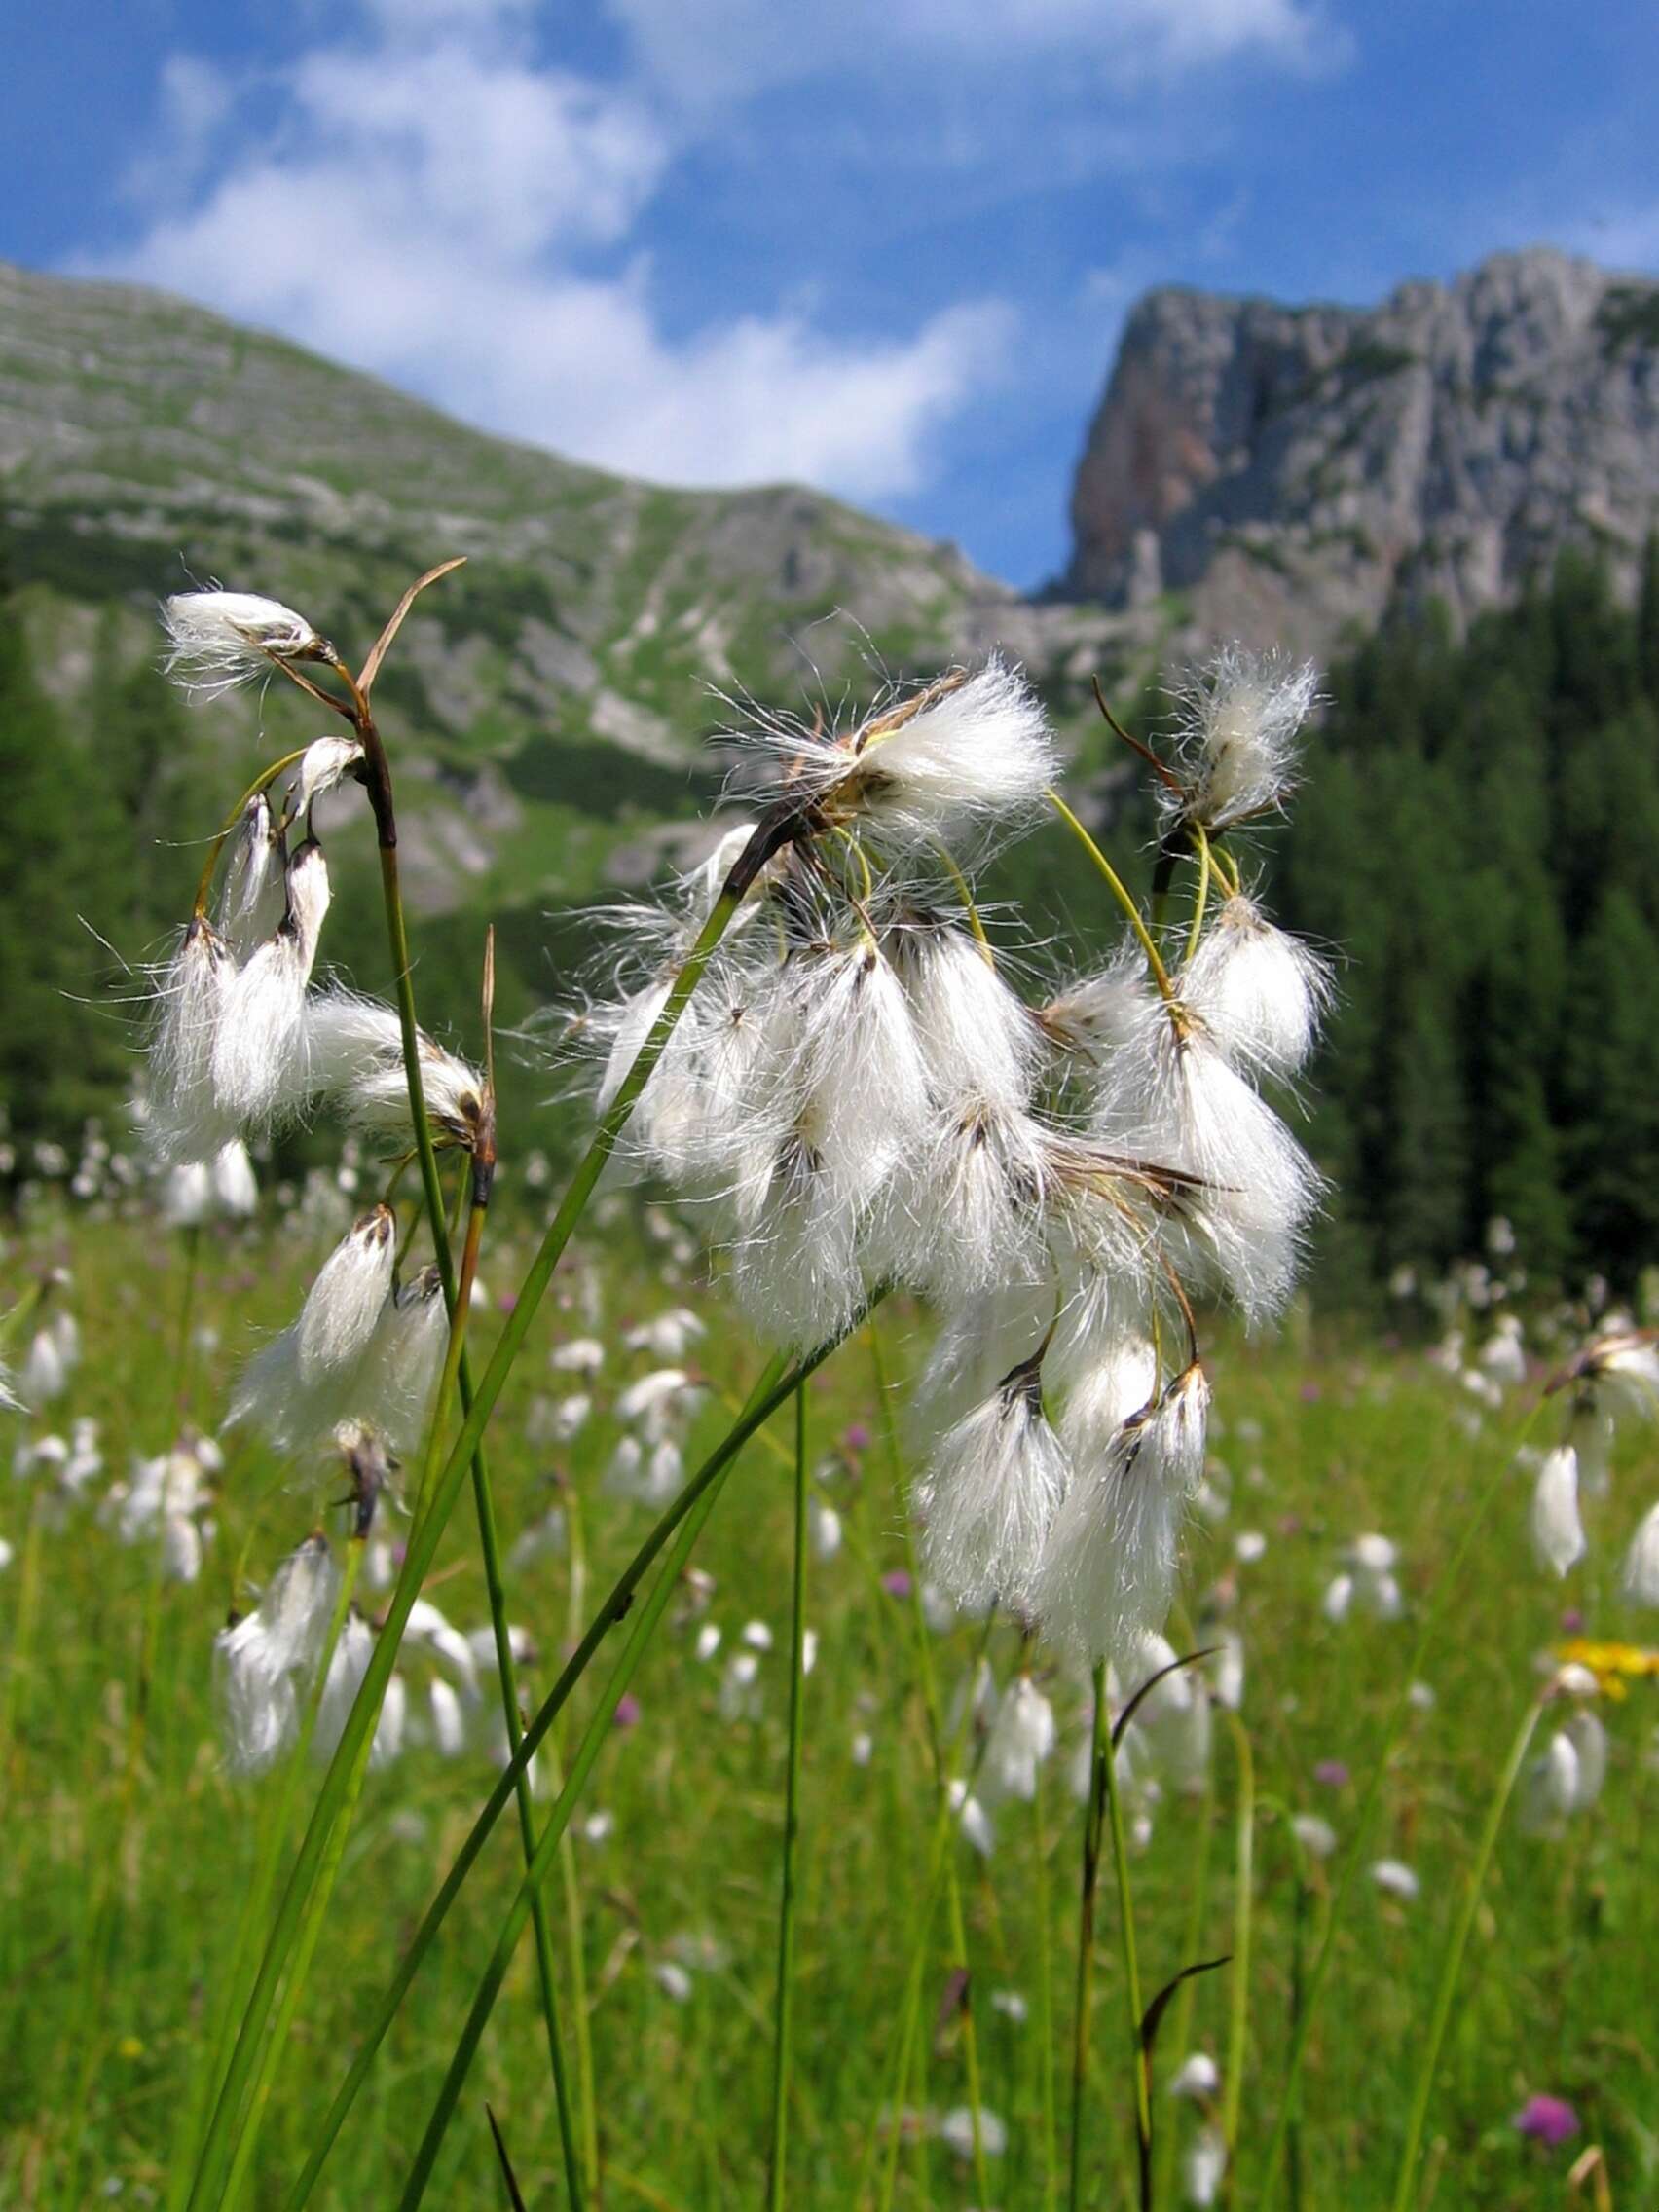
[1179, 2032]
[261, 782]
[769, 1392]
[1132, 1964]
[941, 1775]
[426, 1538]
[1093, 1816]
[581, 1765]
[1455, 1948]
[1200, 898]
[785, 2000]
[1120, 891]
[292, 1990]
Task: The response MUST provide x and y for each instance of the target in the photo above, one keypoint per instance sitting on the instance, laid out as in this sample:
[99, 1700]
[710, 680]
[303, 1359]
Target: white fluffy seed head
[187, 1120]
[1169, 1097]
[1108, 1571]
[1557, 1536]
[258, 1713]
[795, 1271]
[353, 1056]
[236, 1186]
[989, 1495]
[1260, 992]
[1241, 716]
[260, 1049]
[217, 639]
[977, 1038]
[402, 1362]
[1549, 1790]
[1022, 1737]
[863, 1089]
[959, 755]
[1640, 1580]
[344, 1305]
[253, 899]
[968, 1205]
[325, 763]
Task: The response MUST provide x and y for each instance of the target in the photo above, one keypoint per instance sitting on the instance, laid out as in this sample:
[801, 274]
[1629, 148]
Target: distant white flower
[1395, 1877]
[672, 1981]
[757, 1635]
[1203, 2166]
[582, 1355]
[956, 2132]
[824, 1523]
[1022, 1736]
[1197, 2076]
[1010, 2005]
[448, 1718]
[1249, 1546]
[972, 1817]
[1504, 1355]
[1640, 1581]
[1557, 1536]
[707, 1640]
[1316, 1836]
[669, 1337]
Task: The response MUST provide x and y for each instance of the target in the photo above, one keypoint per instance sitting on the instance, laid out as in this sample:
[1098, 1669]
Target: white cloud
[429, 204]
[723, 49]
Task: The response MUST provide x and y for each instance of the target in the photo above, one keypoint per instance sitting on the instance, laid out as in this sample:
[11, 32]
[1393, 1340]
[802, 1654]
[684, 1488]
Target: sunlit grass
[1322, 1439]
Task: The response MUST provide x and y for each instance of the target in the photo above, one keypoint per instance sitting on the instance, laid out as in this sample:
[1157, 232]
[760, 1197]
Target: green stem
[940, 1864]
[1093, 1818]
[191, 1237]
[784, 2001]
[1178, 2035]
[270, 2057]
[1132, 1964]
[942, 1776]
[769, 1392]
[1120, 891]
[1200, 898]
[1045, 1995]
[1455, 1950]
[587, 1753]
[1244, 1900]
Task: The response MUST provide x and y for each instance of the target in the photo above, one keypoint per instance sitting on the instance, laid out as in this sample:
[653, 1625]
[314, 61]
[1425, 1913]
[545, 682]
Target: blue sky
[881, 245]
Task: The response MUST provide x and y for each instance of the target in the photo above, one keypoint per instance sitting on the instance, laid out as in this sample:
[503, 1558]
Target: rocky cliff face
[1291, 471]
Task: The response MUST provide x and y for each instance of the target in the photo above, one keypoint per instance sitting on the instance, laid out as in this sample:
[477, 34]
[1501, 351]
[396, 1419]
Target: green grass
[1559, 1991]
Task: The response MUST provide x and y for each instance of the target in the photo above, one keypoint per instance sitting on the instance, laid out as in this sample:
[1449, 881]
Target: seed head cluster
[860, 1095]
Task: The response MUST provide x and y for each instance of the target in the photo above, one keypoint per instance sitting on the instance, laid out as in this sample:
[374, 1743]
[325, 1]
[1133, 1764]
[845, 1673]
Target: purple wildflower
[1332, 1773]
[897, 1584]
[627, 1714]
[1548, 2120]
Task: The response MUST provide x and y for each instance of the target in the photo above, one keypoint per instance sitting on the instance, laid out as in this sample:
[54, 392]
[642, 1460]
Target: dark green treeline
[1478, 836]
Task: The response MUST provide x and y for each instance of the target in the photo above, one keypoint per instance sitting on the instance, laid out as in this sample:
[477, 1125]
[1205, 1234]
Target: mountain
[1292, 473]
[555, 694]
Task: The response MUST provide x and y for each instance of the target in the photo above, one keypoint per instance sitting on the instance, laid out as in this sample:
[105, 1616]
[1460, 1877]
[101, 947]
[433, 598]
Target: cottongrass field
[130, 1849]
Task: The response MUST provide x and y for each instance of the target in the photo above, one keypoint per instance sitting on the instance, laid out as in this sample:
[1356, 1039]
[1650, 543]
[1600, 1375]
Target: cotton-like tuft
[1108, 1570]
[217, 639]
[988, 1497]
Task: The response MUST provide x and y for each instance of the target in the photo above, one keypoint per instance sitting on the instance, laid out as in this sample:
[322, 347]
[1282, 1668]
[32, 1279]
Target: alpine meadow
[827, 1391]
